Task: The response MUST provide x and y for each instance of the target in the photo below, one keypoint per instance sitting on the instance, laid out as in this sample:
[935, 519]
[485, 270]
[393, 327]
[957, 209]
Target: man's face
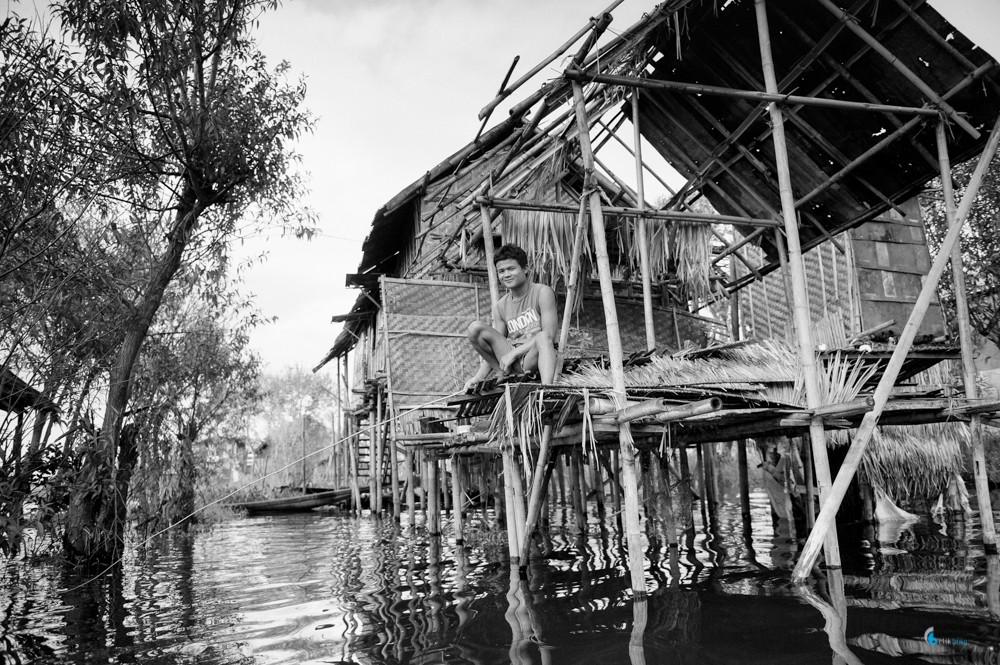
[510, 273]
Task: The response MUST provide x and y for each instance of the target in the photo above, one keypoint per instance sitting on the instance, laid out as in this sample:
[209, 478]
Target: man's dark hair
[511, 251]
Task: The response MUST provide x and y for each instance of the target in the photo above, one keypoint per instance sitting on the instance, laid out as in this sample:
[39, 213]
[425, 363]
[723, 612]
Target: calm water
[323, 588]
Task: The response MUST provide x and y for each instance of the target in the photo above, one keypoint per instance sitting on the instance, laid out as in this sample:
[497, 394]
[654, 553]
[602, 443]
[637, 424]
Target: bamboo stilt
[433, 499]
[510, 512]
[597, 482]
[456, 500]
[374, 447]
[499, 496]
[665, 506]
[616, 355]
[354, 453]
[831, 503]
[616, 493]
[411, 512]
[711, 477]
[538, 481]
[810, 488]
[561, 479]
[800, 303]
[741, 451]
[579, 510]
[968, 364]
[422, 469]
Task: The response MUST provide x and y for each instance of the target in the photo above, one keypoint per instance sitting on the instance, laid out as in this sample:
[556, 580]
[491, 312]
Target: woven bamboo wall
[429, 355]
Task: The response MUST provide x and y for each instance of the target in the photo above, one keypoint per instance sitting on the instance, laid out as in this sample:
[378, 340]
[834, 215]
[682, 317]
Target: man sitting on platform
[524, 324]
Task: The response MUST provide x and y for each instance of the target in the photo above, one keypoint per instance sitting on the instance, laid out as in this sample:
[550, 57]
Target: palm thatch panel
[911, 461]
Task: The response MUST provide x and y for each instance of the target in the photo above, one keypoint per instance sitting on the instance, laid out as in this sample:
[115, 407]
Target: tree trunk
[94, 523]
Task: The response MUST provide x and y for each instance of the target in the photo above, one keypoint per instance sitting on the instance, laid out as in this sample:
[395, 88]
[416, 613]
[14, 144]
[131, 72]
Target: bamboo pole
[741, 452]
[491, 269]
[538, 481]
[576, 75]
[513, 533]
[411, 511]
[627, 447]
[800, 304]
[810, 486]
[500, 203]
[375, 457]
[390, 409]
[643, 240]
[433, 507]
[507, 90]
[579, 508]
[572, 284]
[968, 364]
[831, 502]
[456, 500]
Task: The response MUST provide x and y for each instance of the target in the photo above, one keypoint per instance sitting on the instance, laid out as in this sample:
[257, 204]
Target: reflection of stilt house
[799, 136]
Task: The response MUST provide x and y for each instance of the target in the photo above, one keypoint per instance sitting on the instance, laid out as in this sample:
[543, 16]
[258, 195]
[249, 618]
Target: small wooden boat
[294, 504]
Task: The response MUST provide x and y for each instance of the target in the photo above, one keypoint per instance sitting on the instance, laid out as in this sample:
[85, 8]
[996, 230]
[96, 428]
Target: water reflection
[334, 589]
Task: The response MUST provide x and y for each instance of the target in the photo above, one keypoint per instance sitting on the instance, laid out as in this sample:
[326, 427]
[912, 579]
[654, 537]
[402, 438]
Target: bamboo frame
[769, 97]
[799, 302]
[620, 211]
[831, 502]
[507, 90]
[633, 534]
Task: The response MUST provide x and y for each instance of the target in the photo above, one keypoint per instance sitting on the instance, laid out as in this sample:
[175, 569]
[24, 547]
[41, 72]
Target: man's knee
[475, 330]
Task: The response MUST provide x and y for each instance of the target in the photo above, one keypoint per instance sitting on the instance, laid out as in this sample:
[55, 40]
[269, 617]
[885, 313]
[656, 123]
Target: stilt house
[794, 129]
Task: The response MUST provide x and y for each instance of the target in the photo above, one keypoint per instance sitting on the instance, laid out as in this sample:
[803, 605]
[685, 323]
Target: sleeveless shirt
[522, 316]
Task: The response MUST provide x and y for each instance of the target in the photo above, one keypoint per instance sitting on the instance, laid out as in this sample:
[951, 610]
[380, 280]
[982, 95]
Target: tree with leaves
[201, 129]
[980, 246]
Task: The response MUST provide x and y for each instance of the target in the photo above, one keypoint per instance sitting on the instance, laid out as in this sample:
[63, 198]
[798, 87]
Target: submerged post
[968, 365]
[800, 301]
[831, 503]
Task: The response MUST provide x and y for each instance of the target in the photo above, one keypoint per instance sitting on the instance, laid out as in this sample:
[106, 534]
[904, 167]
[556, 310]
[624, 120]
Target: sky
[396, 86]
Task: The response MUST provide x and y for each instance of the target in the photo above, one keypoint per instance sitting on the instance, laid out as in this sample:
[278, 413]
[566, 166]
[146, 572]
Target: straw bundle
[910, 461]
[767, 362]
[681, 248]
[546, 236]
